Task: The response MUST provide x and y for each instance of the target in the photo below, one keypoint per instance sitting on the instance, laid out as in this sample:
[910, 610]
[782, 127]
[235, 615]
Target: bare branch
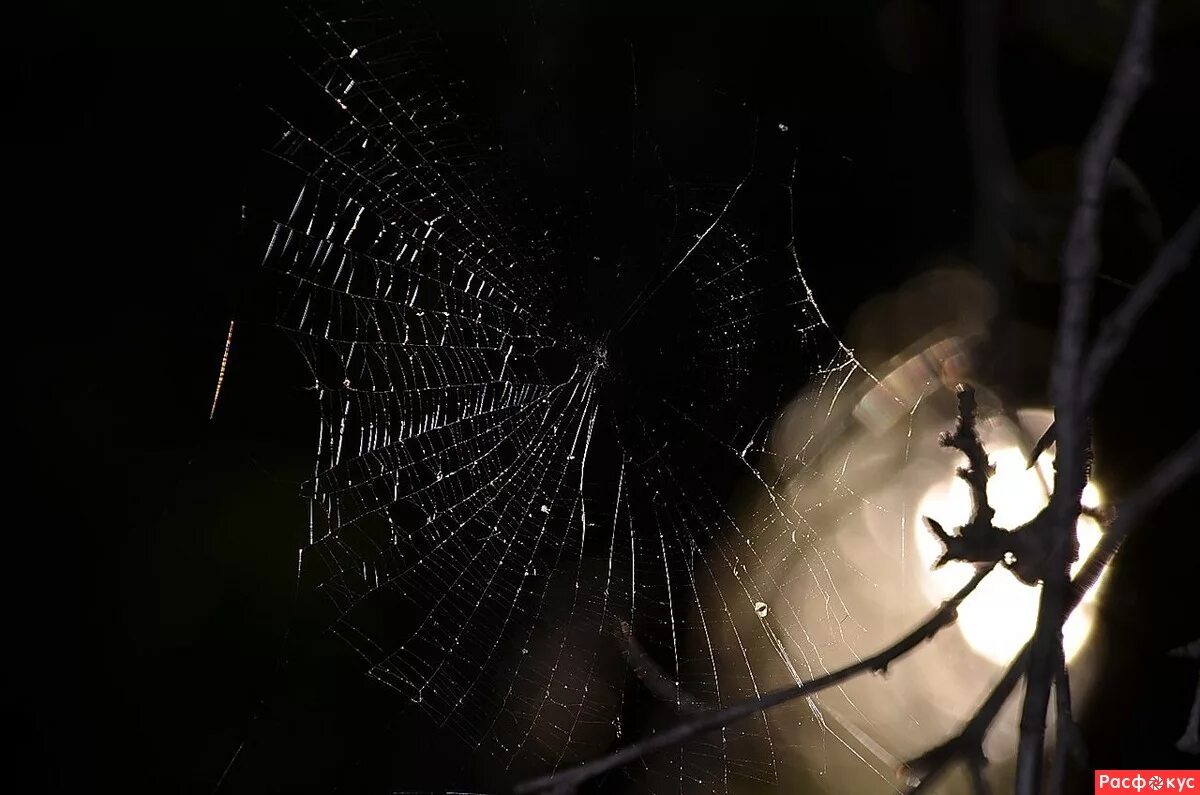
[1081, 250]
[978, 541]
[975, 767]
[1040, 446]
[965, 439]
[1080, 255]
[715, 719]
[1023, 549]
[1169, 475]
[968, 743]
[1174, 257]
[1068, 744]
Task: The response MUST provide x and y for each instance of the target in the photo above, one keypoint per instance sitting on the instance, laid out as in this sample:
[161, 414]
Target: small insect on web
[518, 469]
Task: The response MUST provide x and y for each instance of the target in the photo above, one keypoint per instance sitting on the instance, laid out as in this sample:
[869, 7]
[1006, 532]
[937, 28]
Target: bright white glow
[999, 617]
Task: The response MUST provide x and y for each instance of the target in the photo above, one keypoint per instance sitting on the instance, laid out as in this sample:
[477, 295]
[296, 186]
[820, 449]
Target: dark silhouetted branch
[964, 438]
[1040, 446]
[1069, 745]
[1174, 257]
[968, 744]
[1080, 256]
[979, 783]
[978, 541]
[703, 723]
[1044, 547]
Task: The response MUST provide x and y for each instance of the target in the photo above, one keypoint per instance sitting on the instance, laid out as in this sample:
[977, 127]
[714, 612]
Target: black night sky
[155, 625]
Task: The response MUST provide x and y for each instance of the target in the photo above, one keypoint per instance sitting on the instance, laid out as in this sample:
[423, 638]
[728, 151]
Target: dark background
[154, 623]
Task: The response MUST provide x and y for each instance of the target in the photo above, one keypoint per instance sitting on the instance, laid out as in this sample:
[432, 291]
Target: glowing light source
[1000, 615]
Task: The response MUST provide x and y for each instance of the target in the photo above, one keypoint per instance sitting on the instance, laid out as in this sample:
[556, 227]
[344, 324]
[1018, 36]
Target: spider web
[523, 507]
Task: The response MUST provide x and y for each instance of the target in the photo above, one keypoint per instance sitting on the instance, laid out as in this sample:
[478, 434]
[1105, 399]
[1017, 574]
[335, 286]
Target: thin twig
[1069, 745]
[968, 743]
[1081, 250]
[978, 541]
[1174, 257]
[710, 721]
[1170, 475]
[1080, 255]
[965, 439]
